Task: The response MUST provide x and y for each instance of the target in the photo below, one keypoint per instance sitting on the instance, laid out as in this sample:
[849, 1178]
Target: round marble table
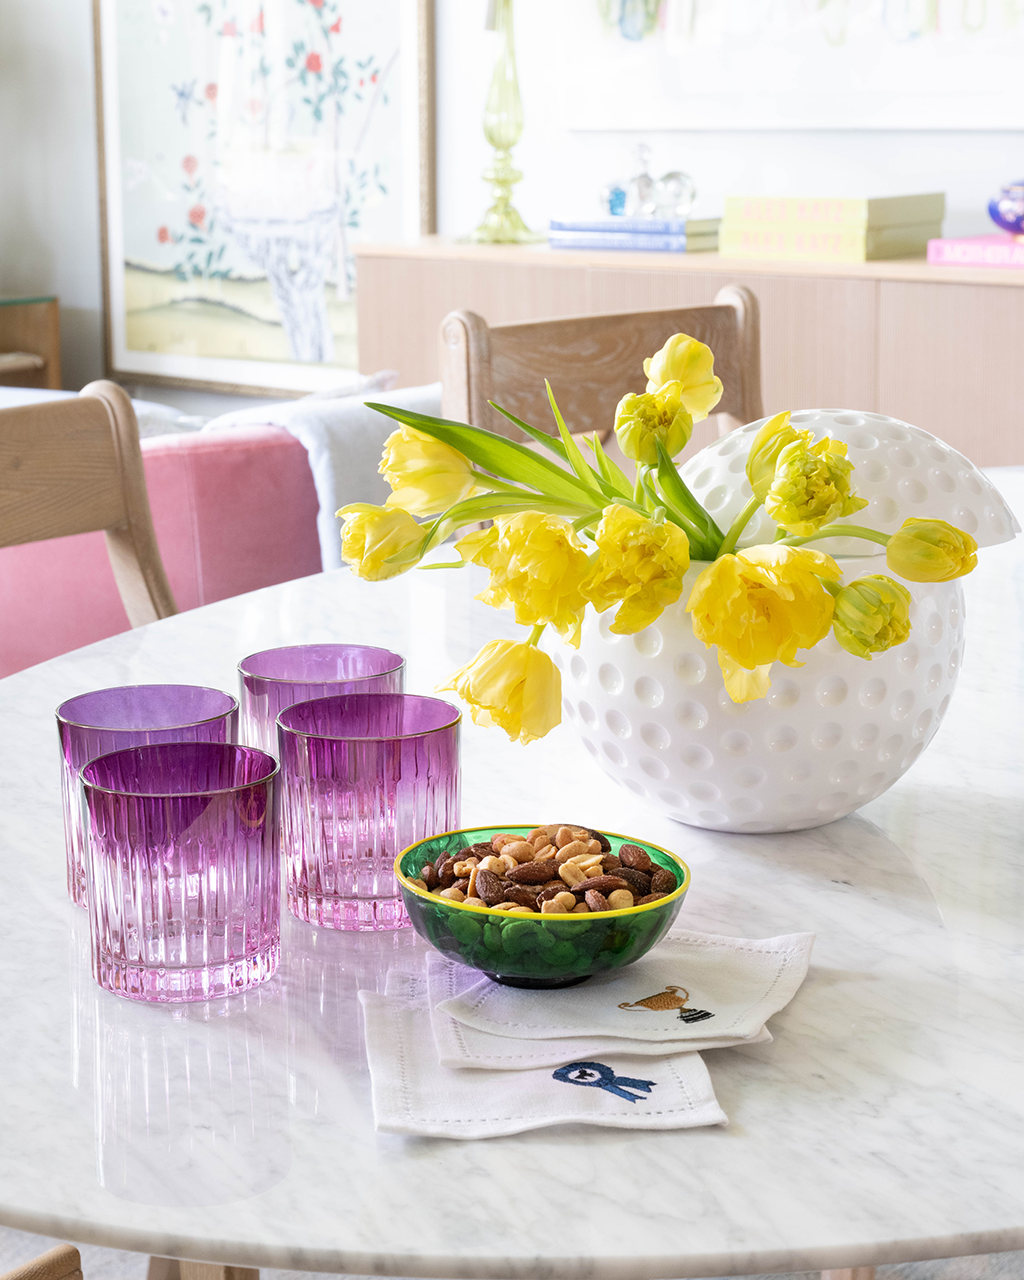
[884, 1123]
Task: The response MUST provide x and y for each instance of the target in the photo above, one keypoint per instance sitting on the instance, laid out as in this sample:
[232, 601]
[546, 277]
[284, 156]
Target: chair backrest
[591, 362]
[74, 466]
[62, 1263]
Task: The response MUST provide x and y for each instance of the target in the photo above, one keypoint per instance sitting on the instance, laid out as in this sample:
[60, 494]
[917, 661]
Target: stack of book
[657, 235]
[810, 230]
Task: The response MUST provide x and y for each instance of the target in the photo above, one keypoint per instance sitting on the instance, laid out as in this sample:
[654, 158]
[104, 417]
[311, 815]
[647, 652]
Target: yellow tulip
[930, 551]
[811, 487]
[640, 566]
[426, 475]
[641, 421]
[513, 685]
[690, 363]
[760, 606]
[872, 614]
[537, 564]
[373, 535]
[776, 434]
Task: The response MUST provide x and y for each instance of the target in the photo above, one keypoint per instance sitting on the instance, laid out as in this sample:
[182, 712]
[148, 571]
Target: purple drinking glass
[183, 870]
[362, 777]
[278, 678]
[94, 724]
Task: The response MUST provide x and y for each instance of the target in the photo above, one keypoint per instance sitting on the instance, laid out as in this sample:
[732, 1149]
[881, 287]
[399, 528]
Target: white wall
[564, 171]
[49, 223]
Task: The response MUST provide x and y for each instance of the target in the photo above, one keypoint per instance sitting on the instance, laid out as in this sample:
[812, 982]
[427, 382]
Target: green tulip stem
[536, 633]
[840, 531]
[737, 526]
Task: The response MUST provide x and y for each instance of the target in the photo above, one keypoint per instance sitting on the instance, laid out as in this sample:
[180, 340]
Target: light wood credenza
[940, 347]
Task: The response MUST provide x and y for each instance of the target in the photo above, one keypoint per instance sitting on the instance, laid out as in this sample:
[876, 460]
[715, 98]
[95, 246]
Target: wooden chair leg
[850, 1273]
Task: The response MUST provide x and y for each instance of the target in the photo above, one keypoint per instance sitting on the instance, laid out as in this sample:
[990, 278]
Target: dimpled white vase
[830, 736]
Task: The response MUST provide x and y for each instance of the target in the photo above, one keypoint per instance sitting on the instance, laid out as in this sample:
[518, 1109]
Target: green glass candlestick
[503, 127]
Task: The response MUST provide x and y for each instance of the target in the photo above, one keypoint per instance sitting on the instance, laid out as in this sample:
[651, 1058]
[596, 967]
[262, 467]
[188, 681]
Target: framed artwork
[777, 64]
[245, 147]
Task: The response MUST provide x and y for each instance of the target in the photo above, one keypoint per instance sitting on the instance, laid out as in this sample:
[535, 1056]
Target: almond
[631, 855]
[663, 881]
[604, 884]
[532, 872]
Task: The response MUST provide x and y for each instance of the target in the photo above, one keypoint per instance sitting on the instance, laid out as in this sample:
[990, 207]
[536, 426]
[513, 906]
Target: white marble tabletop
[885, 1122]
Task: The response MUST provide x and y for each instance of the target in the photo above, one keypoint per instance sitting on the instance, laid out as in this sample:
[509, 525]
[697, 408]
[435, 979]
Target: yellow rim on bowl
[427, 896]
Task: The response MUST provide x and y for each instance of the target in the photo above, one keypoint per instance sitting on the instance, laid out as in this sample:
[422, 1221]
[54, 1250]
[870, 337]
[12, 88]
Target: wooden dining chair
[62, 1263]
[591, 362]
[74, 466]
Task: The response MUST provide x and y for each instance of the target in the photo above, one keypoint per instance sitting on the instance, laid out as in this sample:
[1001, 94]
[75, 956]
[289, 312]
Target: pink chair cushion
[233, 510]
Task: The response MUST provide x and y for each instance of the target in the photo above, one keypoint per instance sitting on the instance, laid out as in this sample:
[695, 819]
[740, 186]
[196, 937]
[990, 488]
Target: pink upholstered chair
[233, 511]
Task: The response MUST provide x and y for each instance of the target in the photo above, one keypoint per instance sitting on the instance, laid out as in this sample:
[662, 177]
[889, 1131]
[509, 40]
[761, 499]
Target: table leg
[850, 1273]
[172, 1269]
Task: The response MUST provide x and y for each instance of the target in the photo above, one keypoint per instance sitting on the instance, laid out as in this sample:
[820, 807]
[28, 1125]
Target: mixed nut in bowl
[545, 906]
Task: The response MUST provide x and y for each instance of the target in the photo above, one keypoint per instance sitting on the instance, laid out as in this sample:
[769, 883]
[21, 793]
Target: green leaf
[574, 457]
[553, 443]
[488, 506]
[505, 458]
[675, 492]
[610, 471]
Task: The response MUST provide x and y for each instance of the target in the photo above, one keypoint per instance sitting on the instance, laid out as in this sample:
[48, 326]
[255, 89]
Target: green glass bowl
[535, 951]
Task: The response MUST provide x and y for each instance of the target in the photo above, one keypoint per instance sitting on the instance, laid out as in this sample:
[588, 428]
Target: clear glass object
[277, 678]
[106, 720]
[675, 194]
[363, 776]
[503, 127]
[183, 870]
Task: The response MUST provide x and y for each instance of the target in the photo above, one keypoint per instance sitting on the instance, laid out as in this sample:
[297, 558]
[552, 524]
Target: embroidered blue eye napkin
[692, 988]
[413, 1094]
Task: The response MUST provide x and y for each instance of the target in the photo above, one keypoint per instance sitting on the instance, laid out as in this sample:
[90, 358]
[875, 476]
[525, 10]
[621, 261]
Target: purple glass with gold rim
[362, 777]
[274, 679]
[94, 724]
[183, 870]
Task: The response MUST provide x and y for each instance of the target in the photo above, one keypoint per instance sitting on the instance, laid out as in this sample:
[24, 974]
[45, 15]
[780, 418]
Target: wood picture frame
[245, 148]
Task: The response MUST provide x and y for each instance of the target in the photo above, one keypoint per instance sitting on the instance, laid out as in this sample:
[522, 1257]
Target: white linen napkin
[414, 1095]
[462, 1046]
[692, 987]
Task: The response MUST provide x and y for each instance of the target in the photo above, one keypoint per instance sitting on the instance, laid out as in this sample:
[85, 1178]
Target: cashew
[455, 895]
[465, 867]
[619, 899]
[505, 864]
[554, 907]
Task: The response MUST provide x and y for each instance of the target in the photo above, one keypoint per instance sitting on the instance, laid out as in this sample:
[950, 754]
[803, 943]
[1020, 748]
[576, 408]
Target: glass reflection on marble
[274, 679]
[182, 870]
[190, 1109]
[106, 720]
[363, 776]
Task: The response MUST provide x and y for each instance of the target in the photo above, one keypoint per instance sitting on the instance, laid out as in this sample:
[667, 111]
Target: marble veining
[885, 1122]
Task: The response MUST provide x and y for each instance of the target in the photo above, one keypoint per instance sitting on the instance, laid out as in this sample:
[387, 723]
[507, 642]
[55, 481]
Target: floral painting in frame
[246, 147]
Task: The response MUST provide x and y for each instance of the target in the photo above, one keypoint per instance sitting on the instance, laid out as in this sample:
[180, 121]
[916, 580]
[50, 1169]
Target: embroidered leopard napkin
[692, 988]
[461, 1046]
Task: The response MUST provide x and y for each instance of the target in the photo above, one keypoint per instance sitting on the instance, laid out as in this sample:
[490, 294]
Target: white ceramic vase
[831, 735]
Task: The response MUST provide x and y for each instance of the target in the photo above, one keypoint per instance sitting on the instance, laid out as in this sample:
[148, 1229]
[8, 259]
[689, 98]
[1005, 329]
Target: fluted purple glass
[183, 871]
[93, 724]
[278, 678]
[362, 777]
